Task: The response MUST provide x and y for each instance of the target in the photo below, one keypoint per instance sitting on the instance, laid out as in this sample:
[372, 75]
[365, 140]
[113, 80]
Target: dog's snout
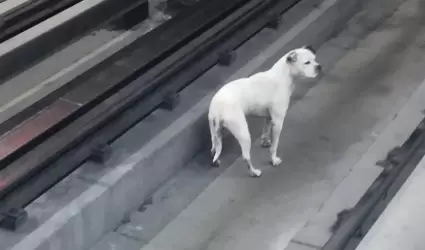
[319, 68]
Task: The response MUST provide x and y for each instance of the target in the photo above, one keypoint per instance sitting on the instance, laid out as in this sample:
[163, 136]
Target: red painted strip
[34, 126]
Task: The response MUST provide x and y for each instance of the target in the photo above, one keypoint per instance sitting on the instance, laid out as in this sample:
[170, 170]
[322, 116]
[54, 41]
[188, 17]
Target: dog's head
[302, 62]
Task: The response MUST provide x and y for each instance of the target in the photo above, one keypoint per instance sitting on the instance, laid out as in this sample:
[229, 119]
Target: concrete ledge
[124, 182]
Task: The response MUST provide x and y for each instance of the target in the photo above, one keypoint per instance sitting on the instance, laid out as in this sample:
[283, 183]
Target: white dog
[266, 94]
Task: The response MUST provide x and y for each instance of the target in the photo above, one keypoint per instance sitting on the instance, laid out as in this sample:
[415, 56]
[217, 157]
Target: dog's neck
[283, 71]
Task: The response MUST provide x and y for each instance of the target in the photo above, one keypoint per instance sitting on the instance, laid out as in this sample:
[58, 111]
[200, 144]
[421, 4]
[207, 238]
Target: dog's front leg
[265, 136]
[277, 117]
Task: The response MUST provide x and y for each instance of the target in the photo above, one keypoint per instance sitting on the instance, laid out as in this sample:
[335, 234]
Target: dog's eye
[307, 63]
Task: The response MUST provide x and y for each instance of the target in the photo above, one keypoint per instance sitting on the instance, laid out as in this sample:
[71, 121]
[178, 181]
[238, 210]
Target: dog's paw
[255, 173]
[276, 161]
[265, 142]
[215, 163]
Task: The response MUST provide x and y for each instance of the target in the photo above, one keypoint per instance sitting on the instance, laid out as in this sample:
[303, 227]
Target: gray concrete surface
[118, 242]
[316, 231]
[401, 225]
[395, 130]
[299, 246]
[24, 89]
[74, 216]
[10, 5]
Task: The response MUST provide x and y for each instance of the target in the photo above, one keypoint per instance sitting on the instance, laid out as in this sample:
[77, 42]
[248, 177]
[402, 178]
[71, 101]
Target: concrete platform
[223, 209]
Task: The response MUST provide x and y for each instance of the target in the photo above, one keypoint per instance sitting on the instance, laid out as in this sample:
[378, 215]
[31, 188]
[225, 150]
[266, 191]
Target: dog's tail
[214, 123]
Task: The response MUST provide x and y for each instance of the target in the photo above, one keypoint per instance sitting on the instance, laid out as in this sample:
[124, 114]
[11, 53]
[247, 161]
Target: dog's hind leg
[265, 136]
[238, 126]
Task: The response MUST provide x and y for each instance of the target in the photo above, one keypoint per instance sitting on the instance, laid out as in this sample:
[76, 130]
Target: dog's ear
[292, 57]
[309, 47]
